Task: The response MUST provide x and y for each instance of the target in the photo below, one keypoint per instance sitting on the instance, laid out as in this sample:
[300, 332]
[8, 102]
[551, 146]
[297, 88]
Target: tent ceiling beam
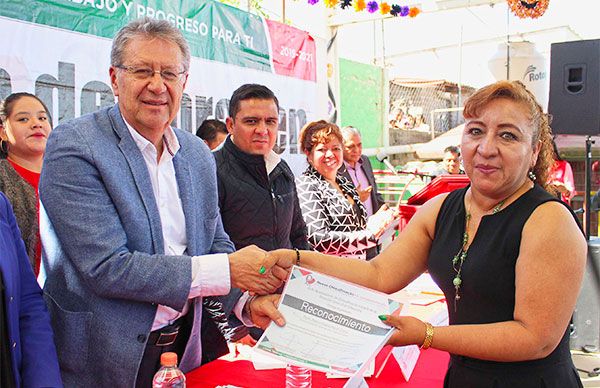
[500, 38]
[444, 5]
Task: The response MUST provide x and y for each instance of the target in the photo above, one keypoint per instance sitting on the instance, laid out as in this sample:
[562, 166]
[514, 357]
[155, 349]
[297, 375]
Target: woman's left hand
[409, 330]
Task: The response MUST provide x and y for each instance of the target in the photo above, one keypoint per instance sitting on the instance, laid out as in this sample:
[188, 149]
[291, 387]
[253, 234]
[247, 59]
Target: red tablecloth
[428, 373]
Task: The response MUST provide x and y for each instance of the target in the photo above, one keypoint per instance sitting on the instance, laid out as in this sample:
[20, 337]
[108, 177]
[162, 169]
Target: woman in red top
[24, 128]
[561, 177]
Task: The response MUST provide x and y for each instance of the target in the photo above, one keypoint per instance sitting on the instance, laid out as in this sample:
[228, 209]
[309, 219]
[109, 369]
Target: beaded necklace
[461, 256]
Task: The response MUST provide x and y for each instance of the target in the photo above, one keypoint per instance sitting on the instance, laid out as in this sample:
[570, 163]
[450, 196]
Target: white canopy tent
[450, 39]
[434, 149]
[454, 39]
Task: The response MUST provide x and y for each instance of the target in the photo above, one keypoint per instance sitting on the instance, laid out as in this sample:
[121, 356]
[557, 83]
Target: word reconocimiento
[334, 317]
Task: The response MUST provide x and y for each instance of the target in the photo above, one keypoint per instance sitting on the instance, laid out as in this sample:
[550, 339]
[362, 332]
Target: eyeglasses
[144, 73]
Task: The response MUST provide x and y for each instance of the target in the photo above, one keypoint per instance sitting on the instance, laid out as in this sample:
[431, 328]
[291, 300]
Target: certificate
[331, 325]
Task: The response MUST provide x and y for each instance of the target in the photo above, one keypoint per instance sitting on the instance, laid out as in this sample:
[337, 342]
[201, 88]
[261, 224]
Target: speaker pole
[507, 43]
[588, 181]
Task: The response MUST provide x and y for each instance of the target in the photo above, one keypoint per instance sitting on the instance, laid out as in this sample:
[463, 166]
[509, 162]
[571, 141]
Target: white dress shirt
[210, 273]
[272, 159]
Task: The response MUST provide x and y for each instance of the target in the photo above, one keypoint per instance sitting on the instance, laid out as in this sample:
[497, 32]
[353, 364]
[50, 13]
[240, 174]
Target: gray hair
[148, 28]
[454, 149]
[350, 131]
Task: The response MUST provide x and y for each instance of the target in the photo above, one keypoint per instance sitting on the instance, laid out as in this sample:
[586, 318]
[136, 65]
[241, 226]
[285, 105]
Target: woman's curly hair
[517, 92]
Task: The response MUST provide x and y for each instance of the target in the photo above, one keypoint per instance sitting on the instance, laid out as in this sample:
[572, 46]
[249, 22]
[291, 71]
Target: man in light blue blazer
[132, 237]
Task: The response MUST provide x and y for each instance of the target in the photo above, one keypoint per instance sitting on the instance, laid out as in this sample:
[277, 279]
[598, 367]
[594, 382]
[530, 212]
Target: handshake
[261, 273]
[258, 271]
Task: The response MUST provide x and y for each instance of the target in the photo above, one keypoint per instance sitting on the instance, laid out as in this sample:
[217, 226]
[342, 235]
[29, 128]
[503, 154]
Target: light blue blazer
[103, 246]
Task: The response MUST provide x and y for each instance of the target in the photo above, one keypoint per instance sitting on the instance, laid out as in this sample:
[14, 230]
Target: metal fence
[421, 110]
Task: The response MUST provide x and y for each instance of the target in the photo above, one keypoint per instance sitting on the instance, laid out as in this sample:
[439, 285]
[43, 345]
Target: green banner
[214, 31]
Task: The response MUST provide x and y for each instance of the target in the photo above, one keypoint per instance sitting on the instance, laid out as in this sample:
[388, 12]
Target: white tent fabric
[434, 149]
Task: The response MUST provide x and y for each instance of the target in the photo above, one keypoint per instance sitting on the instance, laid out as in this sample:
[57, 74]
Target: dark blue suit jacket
[33, 353]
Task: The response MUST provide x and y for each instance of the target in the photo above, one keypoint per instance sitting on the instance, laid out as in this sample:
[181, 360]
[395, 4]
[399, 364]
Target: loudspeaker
[585, 333]
[575, 87]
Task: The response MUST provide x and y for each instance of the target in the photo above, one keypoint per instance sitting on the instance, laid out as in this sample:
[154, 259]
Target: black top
[6, 371]
[488, 279]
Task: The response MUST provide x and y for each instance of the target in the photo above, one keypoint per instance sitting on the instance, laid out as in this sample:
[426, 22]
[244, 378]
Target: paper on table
[331, 325]
[368, 372]
[423, 283]
[406, 357]
[263, 361]
[424, 300]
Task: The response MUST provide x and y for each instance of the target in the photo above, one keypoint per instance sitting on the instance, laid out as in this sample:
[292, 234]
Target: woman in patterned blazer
[334, 215]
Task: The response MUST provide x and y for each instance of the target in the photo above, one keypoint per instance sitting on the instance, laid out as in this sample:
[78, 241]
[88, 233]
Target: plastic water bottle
[168, 376]
[297, 377]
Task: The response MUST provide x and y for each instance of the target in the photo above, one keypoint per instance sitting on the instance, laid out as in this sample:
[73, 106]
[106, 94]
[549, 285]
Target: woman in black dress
[508, 255]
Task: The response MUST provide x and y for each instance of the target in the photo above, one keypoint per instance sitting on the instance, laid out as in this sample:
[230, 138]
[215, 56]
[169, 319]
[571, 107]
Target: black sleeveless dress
[488, 292]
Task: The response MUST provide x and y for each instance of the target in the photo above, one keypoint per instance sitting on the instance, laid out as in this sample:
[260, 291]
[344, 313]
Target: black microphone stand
[588, 184]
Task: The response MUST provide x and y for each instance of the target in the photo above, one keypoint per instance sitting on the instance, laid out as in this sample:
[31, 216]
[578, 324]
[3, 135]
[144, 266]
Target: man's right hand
[364, 194]
[263, 310]
[245, 269]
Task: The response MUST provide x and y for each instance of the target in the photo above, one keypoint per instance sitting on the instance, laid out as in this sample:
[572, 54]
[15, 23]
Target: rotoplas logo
[531, 74]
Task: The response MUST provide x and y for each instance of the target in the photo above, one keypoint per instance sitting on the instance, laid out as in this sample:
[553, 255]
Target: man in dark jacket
[257, 193]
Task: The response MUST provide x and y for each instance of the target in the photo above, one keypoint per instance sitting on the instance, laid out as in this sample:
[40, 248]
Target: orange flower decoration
[414, 11]
[384, 8]
[330, 3]
[359, 5]
[528, 8]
